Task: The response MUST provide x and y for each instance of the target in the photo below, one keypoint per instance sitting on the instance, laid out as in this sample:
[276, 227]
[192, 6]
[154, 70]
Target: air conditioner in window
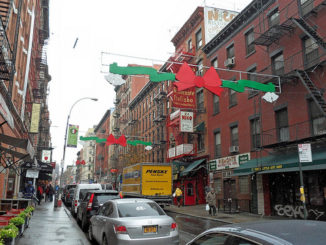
[229, 62]
[234, 149]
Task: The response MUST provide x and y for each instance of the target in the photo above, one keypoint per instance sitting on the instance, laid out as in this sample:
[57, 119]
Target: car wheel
[90, 233]
[84, 223]
[105, 240]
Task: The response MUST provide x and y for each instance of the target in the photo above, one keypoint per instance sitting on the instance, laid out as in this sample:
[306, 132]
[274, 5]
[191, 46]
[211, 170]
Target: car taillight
[120, 229]
[89, 205]
[76, 203]
[173, 226]
[120, 194]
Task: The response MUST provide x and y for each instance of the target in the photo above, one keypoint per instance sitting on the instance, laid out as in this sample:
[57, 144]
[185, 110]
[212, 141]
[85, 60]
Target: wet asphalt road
[189, 226]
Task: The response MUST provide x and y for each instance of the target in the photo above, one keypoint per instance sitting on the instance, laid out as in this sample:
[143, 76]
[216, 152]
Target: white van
[79, 194]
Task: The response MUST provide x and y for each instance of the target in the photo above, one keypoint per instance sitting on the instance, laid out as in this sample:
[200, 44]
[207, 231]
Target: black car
[66, 190]
[68, 197]
[91, 203]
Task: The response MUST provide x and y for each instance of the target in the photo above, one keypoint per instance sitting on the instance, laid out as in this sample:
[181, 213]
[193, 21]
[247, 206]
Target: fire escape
[159, 119]
[298, 67]
[6, 52]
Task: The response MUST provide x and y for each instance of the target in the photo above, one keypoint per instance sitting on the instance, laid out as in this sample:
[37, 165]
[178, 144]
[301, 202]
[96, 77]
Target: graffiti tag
[296, 211]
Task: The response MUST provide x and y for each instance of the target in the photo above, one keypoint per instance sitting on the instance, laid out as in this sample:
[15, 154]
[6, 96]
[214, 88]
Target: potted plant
[19, 222]
[8, 234]
[25, 215]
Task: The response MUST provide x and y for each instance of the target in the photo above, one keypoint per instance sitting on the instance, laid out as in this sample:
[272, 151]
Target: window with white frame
[199, 40]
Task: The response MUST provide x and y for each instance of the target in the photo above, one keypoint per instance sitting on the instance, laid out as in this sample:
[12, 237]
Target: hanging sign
[32, 173]
[35, 120]
[72, 135]
[184, 99]
[46, 156]
[186, 121]
[305, 152]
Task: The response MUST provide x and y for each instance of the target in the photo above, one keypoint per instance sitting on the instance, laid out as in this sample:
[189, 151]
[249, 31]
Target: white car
[79, 193]
[132, 221]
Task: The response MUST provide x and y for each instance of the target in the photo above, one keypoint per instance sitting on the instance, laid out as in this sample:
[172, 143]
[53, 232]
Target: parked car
[285, 232]
[91, 203]
[65, 191]
[68, 197]
[132, 221]
[79, 194]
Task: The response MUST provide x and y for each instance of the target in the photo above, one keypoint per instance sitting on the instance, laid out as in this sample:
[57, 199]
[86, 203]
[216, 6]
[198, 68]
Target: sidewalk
[51, 225]
[200, 212]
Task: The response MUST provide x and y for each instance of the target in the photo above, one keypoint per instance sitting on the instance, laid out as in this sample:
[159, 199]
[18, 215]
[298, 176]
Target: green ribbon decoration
[130, 142]
[240, 85]
[138, 70]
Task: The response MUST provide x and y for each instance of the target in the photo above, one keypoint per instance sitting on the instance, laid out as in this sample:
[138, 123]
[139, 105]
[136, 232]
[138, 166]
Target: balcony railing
[293, 133]
[6, 65]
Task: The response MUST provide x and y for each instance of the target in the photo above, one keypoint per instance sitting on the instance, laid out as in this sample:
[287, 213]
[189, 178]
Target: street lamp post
[65, 139]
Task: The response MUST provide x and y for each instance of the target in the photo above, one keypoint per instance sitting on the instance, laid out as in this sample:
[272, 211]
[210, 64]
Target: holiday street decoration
[130, 142]
[270, 97]
[114, 79]
[120, 141]
[140, 70]
[82, 162]
[187, 79]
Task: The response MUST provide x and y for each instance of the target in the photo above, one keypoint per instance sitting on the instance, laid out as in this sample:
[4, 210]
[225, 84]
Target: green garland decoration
[240, 85]
[138, 70]
[130, 142]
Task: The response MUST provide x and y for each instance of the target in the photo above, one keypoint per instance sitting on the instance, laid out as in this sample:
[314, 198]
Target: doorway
[189, 192]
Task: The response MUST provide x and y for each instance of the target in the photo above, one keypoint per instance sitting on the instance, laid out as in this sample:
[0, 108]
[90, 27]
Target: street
[188, 226]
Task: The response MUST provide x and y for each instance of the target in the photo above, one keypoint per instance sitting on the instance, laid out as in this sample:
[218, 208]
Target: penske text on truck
[148, 180]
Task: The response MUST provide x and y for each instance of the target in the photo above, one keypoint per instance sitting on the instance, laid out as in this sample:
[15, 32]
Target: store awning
[281, 163]
[192, 167]
[200, 127]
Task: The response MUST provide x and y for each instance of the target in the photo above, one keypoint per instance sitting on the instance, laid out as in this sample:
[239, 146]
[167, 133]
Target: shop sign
[212, 165]
[35, 119]
[46, 156]
[174, 115]
[305, 152]
[32, 173]
[172, 152]
[272, 167]
[184, 99]
[231, 161]
[226, 174]
[186, 121]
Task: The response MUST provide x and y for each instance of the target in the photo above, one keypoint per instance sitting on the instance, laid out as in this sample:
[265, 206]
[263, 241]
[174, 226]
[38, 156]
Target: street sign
[32, 173]
[305, 152]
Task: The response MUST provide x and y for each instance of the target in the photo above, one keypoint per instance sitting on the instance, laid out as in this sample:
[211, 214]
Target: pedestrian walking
[29, 190]
[39, 194]
[211, 200]
[50, 192]
[178, 195]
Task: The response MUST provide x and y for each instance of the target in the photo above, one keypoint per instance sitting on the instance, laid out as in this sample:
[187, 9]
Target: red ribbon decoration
[120, 141]
[187, 79]
[80, 162]
[77, 162]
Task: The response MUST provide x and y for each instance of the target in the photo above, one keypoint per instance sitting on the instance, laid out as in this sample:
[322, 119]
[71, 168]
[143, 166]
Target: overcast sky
[136, 28]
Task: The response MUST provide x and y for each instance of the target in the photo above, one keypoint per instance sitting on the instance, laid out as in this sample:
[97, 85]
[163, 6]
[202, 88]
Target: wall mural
[297, 212]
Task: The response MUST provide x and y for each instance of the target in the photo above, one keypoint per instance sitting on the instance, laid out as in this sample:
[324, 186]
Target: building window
[234, 136]
[310, 51]
[200, 142]
[200, 68]
[216, 104]
[230, 51]
[218, 185]
[214, 63]
[318, 121]
[253, 77]
[274, 18]
[200, 99]
[255, 133]
[190, 46]
[278, 64]
[250, 37]
[282, 126]
[243, 184]
[218, 145]
[199, 41]
[232, 98]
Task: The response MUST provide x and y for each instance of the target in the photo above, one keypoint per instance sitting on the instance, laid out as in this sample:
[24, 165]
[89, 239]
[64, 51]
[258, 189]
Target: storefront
[191, 178]
[281, 184]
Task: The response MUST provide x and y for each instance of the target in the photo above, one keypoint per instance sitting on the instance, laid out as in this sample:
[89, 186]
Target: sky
[108, 31]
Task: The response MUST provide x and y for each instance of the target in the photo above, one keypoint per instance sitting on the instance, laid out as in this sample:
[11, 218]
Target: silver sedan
[132, 221]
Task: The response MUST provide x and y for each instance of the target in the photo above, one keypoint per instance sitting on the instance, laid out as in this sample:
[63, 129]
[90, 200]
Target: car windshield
[105, 197]
[139, 209]
[83, 192]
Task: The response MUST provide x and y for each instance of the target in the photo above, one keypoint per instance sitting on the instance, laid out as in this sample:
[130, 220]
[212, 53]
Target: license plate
[150, 229]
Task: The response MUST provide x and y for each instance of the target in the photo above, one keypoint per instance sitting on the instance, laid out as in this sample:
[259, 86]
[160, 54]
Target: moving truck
[148, 180]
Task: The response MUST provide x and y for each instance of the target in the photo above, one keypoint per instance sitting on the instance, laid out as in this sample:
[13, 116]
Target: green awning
[200, 127]
[192, 167]
[281, 163]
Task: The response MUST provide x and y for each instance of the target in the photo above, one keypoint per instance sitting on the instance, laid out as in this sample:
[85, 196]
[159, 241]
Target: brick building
[268, 39]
